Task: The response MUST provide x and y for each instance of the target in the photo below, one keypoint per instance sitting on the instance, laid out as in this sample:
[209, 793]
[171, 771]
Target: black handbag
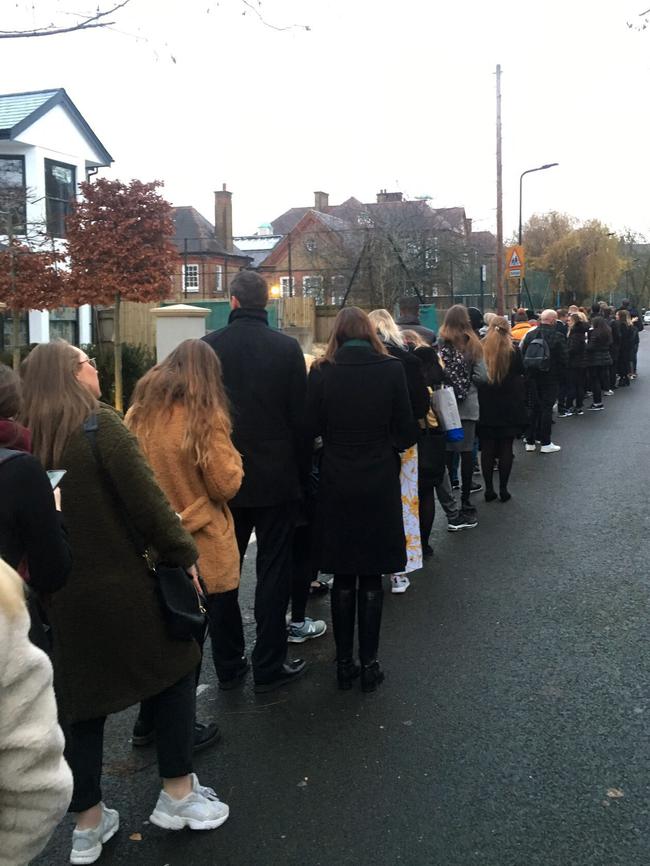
[182, 606]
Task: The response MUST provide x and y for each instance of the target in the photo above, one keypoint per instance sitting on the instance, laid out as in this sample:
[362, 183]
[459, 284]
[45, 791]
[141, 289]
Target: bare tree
[101, 18]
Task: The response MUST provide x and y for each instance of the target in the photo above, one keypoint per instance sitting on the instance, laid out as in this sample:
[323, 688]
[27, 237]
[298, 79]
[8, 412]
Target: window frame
[196, 269]
[21, 226]
[288, 289]
[218, 279]
[59, 214]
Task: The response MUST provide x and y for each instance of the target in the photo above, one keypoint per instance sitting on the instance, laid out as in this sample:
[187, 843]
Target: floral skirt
[411, 508]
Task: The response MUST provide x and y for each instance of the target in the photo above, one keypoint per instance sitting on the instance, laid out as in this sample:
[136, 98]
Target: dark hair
[352, 323]
[562, 312]
[601, 328]
[9, 393]
[409, 303]
[595, 308]
[521, 316]
[250, 289]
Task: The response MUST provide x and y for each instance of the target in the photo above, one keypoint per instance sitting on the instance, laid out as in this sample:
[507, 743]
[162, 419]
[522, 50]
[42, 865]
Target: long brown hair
[10, 402]
[498, 349]
[191, 377]
[55, 403]
[352, 323]
[457, 330]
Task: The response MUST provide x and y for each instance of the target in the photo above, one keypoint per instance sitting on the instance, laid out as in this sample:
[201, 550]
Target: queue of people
[336, 470]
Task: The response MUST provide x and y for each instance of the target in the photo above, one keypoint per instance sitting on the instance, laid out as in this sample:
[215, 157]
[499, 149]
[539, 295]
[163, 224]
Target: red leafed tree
[119, 244]
[29, 280]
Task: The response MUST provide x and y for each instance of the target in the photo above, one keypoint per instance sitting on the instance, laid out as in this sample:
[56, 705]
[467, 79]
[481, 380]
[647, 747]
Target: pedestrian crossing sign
[515, 261]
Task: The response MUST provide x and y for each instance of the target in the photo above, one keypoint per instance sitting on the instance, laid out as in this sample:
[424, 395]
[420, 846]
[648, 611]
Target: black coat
[598, 348]
[503, 406]
[412, 323]
[360, 406]
[30, 526]
[417, 387]
[577, 346]
[265, 377]
[626, 344]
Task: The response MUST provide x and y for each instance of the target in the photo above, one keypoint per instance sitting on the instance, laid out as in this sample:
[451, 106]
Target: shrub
[136, 360]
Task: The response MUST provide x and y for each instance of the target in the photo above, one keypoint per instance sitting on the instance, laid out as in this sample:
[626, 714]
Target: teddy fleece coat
[111, 646]
[35, 781]
[200, 495]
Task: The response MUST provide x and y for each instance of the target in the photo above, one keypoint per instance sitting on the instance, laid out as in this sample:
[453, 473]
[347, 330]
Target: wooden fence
[138, 325]
[297, 313]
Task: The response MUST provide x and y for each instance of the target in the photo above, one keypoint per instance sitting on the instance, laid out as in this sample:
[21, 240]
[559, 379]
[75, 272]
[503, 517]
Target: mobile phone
[55, 476]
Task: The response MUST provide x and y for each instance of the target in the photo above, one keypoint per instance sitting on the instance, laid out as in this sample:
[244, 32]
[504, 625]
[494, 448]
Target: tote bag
[443, 403]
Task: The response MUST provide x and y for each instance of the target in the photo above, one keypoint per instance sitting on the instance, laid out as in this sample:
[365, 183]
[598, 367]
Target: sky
[377, 94]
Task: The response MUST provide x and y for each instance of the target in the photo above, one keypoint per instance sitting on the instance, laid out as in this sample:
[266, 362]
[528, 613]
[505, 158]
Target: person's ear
[234, 302]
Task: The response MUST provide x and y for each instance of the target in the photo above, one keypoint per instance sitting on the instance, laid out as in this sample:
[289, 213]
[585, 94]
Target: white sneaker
[530, 447]
[550, 449]
[399, 583]
[87, 844]
[200, 810]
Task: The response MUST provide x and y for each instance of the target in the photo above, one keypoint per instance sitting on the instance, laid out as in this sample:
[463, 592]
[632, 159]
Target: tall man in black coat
[265, 377]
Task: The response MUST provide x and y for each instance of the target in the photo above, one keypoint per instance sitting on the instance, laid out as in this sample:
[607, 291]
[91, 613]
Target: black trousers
[576, 388]
[542, 394]
[173, 712]
[600, 381]
[274, 529]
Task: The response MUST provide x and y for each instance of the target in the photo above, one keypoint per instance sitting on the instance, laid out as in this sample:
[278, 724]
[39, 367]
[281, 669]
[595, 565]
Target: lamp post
[521, 181]
[521, 178]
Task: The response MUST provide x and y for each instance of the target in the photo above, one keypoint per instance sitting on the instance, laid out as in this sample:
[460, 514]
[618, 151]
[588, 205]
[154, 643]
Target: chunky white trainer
[550, 449]
[87, 844]
[530, 447]
[399, 583]
[200, 810]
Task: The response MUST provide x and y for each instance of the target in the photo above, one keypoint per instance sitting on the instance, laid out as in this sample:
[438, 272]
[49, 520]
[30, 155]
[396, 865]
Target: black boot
[343, 611]
[370, 607]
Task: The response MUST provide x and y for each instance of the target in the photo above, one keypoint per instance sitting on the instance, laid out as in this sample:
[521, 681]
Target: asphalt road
[512, 727]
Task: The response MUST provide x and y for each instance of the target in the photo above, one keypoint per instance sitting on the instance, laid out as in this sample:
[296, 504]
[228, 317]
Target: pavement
[511, 729]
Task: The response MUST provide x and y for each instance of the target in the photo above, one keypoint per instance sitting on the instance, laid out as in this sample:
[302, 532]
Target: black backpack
[537, 358]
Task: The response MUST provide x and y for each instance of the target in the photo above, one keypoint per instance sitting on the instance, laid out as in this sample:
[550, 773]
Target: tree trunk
[15, 338]
[117, 351]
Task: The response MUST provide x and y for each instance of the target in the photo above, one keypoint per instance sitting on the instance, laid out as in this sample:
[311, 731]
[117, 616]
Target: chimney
[321, 201]
[223, 217]
[383, 196]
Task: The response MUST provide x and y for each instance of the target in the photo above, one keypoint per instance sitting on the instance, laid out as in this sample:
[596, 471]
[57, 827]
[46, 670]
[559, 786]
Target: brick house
[207, 257]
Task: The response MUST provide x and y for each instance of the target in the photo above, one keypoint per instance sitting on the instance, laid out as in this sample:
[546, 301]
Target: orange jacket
[520, 330]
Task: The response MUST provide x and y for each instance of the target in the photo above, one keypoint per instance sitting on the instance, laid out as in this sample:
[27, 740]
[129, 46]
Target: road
[512, 729]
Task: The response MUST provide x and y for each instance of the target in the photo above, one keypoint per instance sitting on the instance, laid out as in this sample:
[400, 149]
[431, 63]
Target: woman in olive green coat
[111, 646]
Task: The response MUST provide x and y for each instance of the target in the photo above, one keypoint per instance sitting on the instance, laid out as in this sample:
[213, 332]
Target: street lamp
[521, 178]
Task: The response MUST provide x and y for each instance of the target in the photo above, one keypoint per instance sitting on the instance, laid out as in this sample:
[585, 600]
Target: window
[64, 324]
[218, 279]
[191, 280]
[310, 245]
[60, 190]
[312, 287]
[12, 195]
[339, 285]
[287, 287]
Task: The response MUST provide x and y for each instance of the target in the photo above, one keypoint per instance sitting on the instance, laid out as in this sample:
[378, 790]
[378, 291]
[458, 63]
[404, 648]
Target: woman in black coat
[577, 371]
[359, 403]
[599, 360]
[502, 401]
[627, 333]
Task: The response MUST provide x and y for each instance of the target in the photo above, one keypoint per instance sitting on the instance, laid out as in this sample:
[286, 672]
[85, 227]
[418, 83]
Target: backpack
[537, 358]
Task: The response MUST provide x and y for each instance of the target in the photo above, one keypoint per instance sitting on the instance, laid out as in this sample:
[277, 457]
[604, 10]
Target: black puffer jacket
[598, 348]
[577, 346]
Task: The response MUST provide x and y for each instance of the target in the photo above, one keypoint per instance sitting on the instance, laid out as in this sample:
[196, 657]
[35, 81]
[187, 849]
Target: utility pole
[499, 251]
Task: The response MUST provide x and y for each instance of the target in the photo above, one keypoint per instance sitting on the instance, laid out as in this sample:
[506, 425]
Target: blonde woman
[393, 339]
[502, 404]
[181, 417]
[111, 645]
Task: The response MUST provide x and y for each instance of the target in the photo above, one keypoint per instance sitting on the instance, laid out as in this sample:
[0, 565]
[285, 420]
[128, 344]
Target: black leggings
[173, 718]
[367, 582]
[500, 449]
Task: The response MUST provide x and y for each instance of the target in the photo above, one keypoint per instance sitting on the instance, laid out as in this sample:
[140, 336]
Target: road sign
[515, 261]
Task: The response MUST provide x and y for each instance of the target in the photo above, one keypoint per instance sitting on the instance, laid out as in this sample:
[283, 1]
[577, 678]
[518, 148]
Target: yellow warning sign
[515, 261]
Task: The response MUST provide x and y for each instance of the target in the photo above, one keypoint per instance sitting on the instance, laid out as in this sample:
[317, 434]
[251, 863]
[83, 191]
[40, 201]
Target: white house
[48, 149]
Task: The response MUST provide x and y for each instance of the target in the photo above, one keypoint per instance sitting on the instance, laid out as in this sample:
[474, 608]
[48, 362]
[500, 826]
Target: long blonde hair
[457, 330]
[189, 376]
[386, 327]
[498, 349]
[55, 402]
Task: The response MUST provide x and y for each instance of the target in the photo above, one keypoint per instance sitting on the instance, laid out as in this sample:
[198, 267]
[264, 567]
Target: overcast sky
[395, 94]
